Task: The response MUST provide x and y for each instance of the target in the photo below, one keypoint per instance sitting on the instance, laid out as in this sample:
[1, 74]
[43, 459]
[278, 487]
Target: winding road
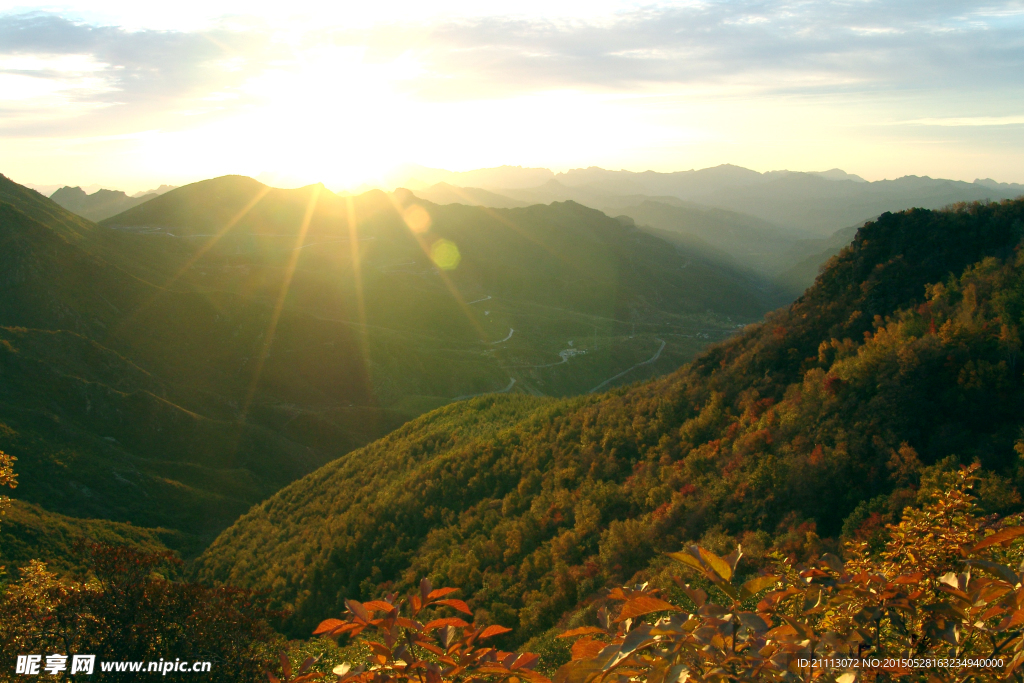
[650, 360]
[510, 331]
[511, 383]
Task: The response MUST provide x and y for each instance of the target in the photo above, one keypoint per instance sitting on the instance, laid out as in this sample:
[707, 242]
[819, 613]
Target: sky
[131, 95]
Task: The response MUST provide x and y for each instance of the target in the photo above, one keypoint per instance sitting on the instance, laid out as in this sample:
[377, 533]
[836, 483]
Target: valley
[183, 360]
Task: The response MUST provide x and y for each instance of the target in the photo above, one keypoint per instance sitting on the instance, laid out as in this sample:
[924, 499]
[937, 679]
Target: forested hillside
[188, 358]
[901, 361]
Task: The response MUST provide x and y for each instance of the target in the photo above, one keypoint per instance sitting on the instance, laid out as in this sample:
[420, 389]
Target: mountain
[816, 203]
[820, 206]
[443, 193]
[899, 362]
[98, 205]
[157, 191]
[838, 174]
[190, 356]
[782, 225]
[752, 242]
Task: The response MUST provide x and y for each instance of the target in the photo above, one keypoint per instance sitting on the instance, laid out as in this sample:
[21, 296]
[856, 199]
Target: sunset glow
[130, 96]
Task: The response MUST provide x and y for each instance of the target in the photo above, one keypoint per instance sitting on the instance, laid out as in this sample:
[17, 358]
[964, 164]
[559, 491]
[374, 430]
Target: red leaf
[430, 646]
[583, 631]
[457, 604]
[328, 625]
[527, 660]
[408, 623]
[644, 604]
[379, 605]
[585, 648]
[286, 666]
[440, 593]
[911, 579]
[1003, 536]
[494, 630]
[356, 608]
[450, 621]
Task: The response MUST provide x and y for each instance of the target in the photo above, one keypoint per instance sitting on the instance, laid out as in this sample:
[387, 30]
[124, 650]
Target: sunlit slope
[823, 419]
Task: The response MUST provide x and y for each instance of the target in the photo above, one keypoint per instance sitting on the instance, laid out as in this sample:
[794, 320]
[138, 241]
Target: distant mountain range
[782, 225]
[814, 203]
[102, 203]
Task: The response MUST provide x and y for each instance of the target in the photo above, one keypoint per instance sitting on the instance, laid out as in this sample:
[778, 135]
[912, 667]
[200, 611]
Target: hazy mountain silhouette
[99, 205]
[444, 193]
[817, 203]
[783, 225]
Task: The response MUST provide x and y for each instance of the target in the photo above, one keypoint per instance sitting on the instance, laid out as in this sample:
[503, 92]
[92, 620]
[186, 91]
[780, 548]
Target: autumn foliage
[125, 609]
[410, 641]
[942, 601]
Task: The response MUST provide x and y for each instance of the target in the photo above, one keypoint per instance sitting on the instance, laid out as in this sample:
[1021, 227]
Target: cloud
[766, 46]
[93, 67]
[778, 45]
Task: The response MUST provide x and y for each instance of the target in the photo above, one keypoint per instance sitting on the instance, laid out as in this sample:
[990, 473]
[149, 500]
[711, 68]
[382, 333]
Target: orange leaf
[644, 604]
[1014, 619]
[585, 648]
[457, 604]
[440, 593]
[494, 630]
[379, 605]
[1003, 536]
[408, 623]
[617, 594]
[909, 578]
[328, 625]
[583, 631]
[450, 621]
[430, 646]
[527, 660]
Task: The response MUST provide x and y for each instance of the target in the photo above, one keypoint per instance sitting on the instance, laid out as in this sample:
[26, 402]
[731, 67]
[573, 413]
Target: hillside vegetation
[188, 358]
[900, 361]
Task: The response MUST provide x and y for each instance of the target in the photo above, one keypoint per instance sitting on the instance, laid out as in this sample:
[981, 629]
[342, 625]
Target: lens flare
[445, 255]
[417, 218]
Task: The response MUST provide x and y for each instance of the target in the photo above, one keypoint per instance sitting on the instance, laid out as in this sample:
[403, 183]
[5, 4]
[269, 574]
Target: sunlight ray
[357, 278]
[275, 316]
[444, 278]
[165, 287]
[264, 191]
